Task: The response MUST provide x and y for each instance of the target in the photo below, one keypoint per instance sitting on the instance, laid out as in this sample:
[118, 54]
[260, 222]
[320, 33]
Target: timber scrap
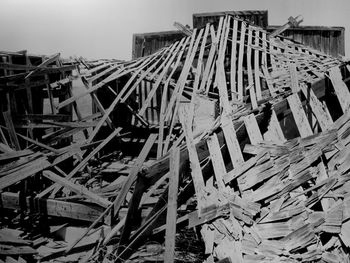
[262, 192]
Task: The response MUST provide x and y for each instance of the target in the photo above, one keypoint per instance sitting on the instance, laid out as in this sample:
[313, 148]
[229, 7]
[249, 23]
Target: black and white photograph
[175, 131]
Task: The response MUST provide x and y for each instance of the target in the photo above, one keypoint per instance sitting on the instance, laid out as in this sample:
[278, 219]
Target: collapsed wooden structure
[252, 129]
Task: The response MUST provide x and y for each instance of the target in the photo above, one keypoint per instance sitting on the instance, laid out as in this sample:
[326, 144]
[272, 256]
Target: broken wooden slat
[231, 141]
[216, 159]
[133, 173]
[172, 206]
[294, 82]
[253, 130]
[79, 189]
[196, 173]
[240, 62]
[256, 66]
[234, 60]
[340, 88]
[11, 130]
[23, 173]
[84, 162]
[251, 84]
[299, 115]
[323, 117]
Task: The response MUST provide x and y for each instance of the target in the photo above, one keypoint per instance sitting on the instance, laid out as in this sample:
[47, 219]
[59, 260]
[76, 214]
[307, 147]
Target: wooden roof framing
[262, 193]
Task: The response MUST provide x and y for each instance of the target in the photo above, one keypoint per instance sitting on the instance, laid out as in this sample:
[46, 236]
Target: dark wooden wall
[258, 17]
[329, 40]
[147, 43]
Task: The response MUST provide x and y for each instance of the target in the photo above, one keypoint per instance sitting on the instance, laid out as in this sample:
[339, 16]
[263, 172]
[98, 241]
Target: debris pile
[229, 136]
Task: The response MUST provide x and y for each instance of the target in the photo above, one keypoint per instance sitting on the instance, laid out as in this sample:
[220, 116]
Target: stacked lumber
[208, 145]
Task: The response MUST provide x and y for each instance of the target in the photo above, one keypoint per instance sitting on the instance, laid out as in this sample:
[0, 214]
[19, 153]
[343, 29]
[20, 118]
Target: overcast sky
[104, 28]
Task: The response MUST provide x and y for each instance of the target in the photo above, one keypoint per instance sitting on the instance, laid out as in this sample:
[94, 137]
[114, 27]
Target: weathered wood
[84, 162]
[172, 206]
[79, 189]
[294, 82]
[231, 141]
[196, 173]
[23, 173]
[240, 62]
[234, 60]
[52, 207]
[216, 159]
[134, 172]
[253, 130]
[299, 115]
[11, 130]
[251, 84]
[340, 88]
[322, 115]
[256, 65]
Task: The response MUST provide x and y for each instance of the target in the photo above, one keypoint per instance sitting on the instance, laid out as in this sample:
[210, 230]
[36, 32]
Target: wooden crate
[258, 17]
[329, 40]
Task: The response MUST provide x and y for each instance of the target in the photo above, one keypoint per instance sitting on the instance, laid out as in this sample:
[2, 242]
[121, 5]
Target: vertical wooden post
[172, 206]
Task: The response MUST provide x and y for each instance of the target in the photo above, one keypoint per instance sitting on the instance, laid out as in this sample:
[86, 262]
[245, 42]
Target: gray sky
[104, 28]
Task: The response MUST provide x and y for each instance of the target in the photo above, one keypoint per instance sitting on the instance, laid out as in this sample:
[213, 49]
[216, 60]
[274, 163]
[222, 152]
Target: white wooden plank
[250, 71]
[172, 206]
[217, 160]
[240, 62]
[323, 117]
[299, 115]
[231, 141]
[253, 130]
[340, 88]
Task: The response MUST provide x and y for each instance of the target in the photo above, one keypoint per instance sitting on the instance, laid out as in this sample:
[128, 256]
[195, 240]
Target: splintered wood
[229, 131]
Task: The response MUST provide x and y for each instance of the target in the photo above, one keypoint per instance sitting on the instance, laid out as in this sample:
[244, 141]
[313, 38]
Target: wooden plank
[11, 130]
[253, 130]
[299, 115]
[74, 243]
[233, 72]
[340, 88]
[176, 97]
[84, 162]
[274, 131]
[294, 82]
[53, 207]
[164, 102]
[198, 73]
[79, 189]
[257, 65]
[16, 251]
[23, 173]
[322, 115]
[46, 62]
[231, 141]
[172, 206]
[134, 172]
[249, 69]
[209, 62]
[162, 74]
[217, 160]
[269, 81]
[240, 62]
[196, 171]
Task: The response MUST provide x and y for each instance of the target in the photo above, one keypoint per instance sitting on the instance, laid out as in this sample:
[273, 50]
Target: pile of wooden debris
[231, 136]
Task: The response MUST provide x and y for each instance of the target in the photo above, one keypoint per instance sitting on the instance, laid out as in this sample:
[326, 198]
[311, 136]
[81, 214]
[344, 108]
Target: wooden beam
[340, 88]
[79, 189]
[253, 130]
[53, 207]
[134, 172]
[299, 115]
[172, 206]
